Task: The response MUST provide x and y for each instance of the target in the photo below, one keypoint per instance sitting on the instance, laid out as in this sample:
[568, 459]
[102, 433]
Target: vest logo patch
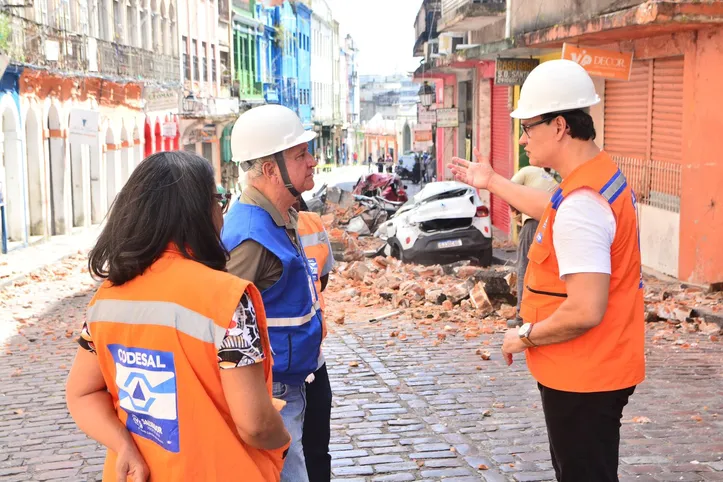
[538, 238]
[314, 268]
[147, 391]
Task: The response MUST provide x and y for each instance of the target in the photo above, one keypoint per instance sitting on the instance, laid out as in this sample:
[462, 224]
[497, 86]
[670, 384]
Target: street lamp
[426, 95]
[189, 103]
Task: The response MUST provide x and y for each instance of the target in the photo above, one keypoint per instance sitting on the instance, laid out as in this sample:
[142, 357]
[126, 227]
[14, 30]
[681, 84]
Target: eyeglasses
[223, 200]
[526, 127]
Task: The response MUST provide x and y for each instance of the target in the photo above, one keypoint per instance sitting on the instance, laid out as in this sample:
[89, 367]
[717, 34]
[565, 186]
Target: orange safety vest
[157, 338]
[314, 241]
[611, 355]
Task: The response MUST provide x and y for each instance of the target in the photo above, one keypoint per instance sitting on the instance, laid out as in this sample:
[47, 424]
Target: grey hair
[255, 167]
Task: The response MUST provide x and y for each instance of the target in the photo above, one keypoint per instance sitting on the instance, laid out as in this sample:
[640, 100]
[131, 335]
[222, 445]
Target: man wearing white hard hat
[582, 304]
[261, 234]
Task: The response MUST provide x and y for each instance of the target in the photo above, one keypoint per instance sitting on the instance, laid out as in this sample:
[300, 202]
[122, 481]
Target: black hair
[168, 200]
[578, 121]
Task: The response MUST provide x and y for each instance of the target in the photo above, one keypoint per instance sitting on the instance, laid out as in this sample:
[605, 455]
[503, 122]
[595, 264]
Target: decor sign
[513, 71]
[608, 64]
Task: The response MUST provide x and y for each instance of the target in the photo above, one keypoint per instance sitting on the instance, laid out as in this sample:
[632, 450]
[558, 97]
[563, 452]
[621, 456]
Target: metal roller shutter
[627, 113]
[667, 129]
[501, 152]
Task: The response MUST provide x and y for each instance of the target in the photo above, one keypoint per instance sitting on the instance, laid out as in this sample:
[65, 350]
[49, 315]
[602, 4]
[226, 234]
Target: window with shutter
[667, 129]
[643, 129]
[626, 113]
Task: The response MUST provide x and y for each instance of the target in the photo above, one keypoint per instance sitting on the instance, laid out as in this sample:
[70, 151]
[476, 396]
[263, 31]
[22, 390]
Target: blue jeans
[293, 414]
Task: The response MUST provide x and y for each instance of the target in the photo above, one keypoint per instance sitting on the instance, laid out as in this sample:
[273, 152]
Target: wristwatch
[524, 333]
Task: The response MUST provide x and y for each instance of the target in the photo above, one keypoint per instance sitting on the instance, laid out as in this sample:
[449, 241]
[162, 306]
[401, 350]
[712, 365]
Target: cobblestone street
[420, 405]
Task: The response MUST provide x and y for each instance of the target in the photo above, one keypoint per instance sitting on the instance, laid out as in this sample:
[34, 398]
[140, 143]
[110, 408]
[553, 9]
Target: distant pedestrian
[173, 373]
[536, 178]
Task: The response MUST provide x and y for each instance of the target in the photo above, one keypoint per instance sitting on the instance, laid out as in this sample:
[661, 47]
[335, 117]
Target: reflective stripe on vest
[313, 239]
[296, 321]
[157, 313]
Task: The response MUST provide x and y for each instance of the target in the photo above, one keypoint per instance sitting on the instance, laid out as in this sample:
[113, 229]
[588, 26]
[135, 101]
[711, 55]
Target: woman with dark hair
[173, 373]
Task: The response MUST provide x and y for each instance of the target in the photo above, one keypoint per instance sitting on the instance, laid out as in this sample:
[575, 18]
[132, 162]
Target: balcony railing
[470, 15]
[45, 46]
[125, 61]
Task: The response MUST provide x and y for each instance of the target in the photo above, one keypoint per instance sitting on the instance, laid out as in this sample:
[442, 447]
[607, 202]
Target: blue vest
[292, 306]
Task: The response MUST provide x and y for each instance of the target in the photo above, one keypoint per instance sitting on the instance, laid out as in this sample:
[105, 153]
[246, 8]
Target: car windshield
[428, 194]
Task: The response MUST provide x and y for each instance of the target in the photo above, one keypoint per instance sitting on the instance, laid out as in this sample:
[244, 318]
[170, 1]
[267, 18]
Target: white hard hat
[266, 130]
[555, 86]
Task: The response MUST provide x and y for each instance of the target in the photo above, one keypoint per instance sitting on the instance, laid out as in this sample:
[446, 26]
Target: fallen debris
[384, 317]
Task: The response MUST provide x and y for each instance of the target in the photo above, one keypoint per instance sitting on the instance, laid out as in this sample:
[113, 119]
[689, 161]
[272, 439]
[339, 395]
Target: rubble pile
[357, 215]
[673, 307]
[471, 300]
[455, 293]
[482, 299]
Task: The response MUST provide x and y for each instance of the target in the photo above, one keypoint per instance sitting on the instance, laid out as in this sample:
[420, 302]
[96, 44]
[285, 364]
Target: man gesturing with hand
[582, 306]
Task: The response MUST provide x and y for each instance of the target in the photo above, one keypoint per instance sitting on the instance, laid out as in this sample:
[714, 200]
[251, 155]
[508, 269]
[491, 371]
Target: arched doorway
[126, 156]
[148, 138]
[159, 137]
[112, 168]
[137, 148]
[167, 141]
[79, 179]
[12, 176]
[407, 139]
[177, 138]
[35, 159]
[59, 196]
[96, 190]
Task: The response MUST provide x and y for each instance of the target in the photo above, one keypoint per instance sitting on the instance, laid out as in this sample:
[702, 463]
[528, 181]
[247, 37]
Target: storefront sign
[160, 99]
[513, 71]
[423, 133]
[426, 116]
[83, 126]
[448, 117]
[168, 129]
[608, 64]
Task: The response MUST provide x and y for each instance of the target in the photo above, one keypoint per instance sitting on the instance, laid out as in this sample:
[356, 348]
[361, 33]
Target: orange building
[661, 125]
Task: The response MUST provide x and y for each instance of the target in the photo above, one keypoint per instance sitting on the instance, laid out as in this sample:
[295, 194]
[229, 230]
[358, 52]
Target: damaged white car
[445, 220]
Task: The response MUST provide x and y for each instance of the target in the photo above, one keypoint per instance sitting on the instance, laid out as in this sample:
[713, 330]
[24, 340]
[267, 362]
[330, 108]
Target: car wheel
[399, 253]
[485, 258]
[396, 249]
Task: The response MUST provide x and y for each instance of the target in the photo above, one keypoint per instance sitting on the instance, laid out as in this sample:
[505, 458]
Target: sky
[383, 30]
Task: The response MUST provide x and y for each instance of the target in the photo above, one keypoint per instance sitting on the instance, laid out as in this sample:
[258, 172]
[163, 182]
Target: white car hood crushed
[456, 207]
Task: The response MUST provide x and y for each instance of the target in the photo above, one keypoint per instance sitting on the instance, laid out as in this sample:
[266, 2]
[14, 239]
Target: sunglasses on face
[223, 200]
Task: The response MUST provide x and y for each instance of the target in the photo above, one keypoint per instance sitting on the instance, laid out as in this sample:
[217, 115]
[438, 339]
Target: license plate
[452, 243]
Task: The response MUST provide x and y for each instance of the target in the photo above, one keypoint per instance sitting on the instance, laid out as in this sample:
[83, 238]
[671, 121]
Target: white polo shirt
[583, 233]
